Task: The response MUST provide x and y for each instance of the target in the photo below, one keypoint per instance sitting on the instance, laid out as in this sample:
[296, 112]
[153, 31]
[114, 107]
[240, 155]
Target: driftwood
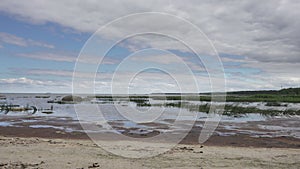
[16, 108]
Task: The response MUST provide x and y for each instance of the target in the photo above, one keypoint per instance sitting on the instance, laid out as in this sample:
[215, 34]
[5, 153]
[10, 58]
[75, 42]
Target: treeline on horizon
[290, 95]
[286, 91]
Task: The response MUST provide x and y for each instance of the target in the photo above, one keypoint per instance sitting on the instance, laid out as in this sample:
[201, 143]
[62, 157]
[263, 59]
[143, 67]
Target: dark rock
[71, 98]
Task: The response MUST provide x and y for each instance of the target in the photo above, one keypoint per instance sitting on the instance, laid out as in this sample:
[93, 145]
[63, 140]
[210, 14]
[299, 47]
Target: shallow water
[255, 125]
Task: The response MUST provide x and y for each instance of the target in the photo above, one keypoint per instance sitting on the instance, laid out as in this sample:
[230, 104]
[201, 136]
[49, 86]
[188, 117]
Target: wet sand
[53, 127]
[23, 146]
[239, 140]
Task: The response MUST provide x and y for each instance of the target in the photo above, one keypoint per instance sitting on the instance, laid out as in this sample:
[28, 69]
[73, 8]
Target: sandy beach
[16, 152]
[23, 146]
[59, 140]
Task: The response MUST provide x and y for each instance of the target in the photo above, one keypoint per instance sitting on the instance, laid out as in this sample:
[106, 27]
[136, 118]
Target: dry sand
[16, 152]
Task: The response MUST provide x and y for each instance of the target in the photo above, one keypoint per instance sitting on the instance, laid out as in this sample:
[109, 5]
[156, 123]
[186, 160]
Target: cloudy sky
[257, 43]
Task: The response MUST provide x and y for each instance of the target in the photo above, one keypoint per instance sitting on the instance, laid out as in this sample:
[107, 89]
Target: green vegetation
[288, 91]
[264, 98]
[238, 98]
[42, 97]
[291, 95]
[275, 104]
[140, 101]
[236, 110]
[231, 110]
[271, 97]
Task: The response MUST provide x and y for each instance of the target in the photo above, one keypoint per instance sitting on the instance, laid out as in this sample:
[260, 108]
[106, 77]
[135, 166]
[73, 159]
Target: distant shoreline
[237, 92]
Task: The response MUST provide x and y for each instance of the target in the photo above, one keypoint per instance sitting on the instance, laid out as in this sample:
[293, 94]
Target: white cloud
[61, 57]
[19, 41]
[264, 31]
[24, 80]
[68, 74]
[12, 39]
[49, 56]
[161, 59]
[145, 82]
[267, 33]
[44, 72]
[24, 84]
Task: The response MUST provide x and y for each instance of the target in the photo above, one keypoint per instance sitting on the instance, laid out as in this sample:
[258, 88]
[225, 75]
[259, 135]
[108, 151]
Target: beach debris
[198, 152]
[186, 149]
[6, 108]
[34, 109]
[17, 108]
[95, 165]
[20, 165]
[2, 98]
[47, 112]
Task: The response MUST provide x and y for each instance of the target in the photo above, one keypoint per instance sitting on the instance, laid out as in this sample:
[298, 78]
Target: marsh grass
[230, 110]
[291, 95]
[271, 98]
[237, 98]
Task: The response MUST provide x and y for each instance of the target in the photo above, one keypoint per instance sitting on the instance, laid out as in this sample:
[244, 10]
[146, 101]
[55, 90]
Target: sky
[148, 46]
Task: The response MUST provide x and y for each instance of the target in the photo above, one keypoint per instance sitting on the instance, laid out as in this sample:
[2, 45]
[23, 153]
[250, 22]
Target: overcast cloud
[266, 34]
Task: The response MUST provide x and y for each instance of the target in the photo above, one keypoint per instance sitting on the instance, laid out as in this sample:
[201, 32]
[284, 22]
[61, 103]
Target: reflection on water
[253, 124]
